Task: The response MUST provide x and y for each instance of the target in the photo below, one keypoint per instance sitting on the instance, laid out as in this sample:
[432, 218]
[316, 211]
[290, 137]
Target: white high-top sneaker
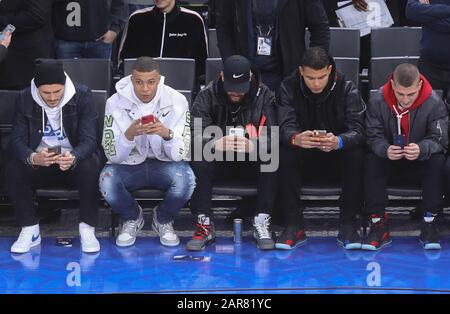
[129, 230]
[167, 235]
[29, 237]
[89, 243]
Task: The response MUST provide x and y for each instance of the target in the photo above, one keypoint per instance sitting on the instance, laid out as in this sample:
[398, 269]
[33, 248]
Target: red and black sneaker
[204, 234]
[291, 237]
[378, 235]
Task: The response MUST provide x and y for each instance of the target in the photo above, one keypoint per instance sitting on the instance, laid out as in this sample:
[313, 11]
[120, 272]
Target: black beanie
[49, 71]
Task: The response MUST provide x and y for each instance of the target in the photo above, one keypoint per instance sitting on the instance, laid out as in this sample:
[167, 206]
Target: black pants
[298, 165]
[208, 173]
[439, 78]
[22, 180]
[378, 171]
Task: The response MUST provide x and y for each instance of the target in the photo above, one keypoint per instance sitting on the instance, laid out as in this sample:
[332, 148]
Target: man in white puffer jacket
[146, 139]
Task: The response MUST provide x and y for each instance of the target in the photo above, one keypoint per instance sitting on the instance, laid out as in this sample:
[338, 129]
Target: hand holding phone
[236, 132]
[8, 29]
[148, 119]
[399, 140]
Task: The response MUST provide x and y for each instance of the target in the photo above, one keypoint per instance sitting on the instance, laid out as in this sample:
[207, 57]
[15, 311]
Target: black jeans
[378, 170]
[208, 173]
[299, 165]
[22, 180]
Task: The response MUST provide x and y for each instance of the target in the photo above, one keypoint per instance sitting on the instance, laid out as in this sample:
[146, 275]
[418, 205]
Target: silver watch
[170, 135]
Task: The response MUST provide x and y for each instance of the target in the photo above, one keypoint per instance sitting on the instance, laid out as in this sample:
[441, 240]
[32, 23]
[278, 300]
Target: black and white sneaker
[262, 233]
[429, 235]
[349, 237]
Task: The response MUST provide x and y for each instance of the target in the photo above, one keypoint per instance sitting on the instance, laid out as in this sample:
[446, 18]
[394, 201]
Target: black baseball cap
[236, 74]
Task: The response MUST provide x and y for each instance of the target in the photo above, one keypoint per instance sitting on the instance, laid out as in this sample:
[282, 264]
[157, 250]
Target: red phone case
[148, 119]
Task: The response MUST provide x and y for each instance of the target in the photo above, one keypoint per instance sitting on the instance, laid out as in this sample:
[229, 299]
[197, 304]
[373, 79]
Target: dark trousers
[439, 78]
[22, 180]
[299, 165]
[378, 170]
[208, 173]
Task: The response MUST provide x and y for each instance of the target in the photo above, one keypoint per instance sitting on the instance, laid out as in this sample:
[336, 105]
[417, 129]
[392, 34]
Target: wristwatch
[170, 135]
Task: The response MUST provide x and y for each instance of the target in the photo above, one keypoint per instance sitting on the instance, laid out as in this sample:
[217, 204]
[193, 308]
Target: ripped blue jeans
[176, 179]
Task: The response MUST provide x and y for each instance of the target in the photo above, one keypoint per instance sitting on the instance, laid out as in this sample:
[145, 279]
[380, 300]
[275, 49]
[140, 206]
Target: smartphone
[236, 132]
[191, 258]
[9, 28]
[55, 149]
[64, 242]
[320, 133]
[399, 140]
[148, 119]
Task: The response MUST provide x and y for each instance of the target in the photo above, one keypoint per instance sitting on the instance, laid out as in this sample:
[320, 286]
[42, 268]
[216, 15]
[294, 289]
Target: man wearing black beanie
[53, 142]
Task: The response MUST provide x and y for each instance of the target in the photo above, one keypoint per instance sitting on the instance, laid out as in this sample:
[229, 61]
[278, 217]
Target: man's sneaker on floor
[204, 234]
[262, 233]
[349, 238]
[129, 230]
[291, 237]
[28, 238]
[429, 235]
[167, 235]
[378, 235]
[89, 243]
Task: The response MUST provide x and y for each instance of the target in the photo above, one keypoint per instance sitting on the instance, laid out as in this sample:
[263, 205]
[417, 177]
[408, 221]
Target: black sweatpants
[378, 170]
[299, 165]
[208, 173]
[22, 180]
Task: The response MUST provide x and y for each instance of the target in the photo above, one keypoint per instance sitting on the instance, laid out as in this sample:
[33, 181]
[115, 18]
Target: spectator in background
[407, 125]
[270, 33]
[434, 61]
[33, 39]
[53, 142]
[166, 31]
[4, 43]
[86, 28]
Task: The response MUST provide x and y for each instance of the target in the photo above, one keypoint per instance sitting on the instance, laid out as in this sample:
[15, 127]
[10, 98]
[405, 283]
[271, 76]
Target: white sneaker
[89, 243]
[167, 235]
[29, 237]
[130, 228]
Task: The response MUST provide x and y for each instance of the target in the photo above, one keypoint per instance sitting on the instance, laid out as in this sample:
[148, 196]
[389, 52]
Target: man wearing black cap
[236, 98]
[53, 141]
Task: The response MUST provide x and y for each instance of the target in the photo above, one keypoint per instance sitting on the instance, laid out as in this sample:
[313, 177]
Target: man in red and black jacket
[321, 116]
[237, 100]
[407, 127]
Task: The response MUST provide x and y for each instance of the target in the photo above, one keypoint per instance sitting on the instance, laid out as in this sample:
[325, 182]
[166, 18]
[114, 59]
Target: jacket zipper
[162, 38]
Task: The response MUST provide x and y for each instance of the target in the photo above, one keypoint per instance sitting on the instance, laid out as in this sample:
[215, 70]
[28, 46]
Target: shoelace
[165, 228]
[202, 230]
[130, 227]
[263, 228]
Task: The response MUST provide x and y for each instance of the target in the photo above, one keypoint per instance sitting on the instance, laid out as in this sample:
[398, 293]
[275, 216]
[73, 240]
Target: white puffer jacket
[169, 106]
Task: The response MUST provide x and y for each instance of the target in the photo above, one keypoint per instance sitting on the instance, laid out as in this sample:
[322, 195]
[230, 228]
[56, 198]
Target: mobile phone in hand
[9, 28]
[399, 140]
[236, 132]
[148, 119]
[320, 133]
[55, 149]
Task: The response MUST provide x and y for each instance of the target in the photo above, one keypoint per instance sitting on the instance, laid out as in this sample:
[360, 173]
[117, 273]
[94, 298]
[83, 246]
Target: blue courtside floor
[320, 266]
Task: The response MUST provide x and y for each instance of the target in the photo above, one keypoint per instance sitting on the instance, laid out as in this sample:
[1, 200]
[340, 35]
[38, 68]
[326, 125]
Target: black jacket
[235, 26]
[79, 120]
[32, 39]
[340, 108]
[428, 126]
[213, 108]
[95, 18]
[184, 37]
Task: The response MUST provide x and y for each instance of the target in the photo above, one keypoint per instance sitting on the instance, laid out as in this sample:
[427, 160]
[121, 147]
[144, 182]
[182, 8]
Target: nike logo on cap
[235, 76]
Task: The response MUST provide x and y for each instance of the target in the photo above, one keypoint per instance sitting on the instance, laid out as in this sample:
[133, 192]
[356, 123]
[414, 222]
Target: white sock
[261, 217]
